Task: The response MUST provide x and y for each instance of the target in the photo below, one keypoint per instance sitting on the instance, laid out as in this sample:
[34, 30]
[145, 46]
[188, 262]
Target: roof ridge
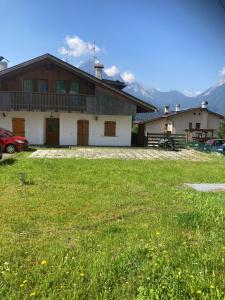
[81, 72]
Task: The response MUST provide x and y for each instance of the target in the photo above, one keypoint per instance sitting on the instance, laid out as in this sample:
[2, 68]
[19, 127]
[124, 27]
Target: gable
[44, 70]
[141, 105]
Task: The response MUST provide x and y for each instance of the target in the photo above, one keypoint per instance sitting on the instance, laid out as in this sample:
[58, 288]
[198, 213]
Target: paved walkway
[121, 153]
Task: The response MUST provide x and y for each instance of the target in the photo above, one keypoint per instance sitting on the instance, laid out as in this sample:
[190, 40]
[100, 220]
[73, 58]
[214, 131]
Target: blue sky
[167, 44]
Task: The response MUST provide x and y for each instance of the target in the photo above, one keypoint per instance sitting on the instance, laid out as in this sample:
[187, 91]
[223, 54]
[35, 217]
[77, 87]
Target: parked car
[1, 155]
[221, 149]
[11, 143]
[213, 144]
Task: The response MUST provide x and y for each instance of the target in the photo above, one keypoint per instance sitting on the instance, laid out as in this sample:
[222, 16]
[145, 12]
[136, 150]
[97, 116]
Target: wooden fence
[180, 140]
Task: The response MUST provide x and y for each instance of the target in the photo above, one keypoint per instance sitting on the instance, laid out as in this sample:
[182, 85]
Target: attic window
[43, 86]
[60, 87]
[28, 85]
[74, 88]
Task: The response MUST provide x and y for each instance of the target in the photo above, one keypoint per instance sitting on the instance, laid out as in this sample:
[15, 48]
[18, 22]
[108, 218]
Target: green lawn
[111, 229]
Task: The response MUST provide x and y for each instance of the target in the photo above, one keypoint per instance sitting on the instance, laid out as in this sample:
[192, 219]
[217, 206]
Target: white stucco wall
[181, 122]
[35, 127]
[157, 126]
[214, 122]
[68, 129]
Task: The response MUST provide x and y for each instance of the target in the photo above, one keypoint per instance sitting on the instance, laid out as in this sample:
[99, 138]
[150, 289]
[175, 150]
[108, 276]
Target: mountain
[214, 95]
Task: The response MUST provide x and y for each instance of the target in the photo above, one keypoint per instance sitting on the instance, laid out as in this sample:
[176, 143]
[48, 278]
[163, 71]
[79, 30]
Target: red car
[11, 143]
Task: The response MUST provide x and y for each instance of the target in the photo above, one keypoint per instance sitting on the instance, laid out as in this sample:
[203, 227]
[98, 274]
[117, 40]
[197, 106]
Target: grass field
[111, 229]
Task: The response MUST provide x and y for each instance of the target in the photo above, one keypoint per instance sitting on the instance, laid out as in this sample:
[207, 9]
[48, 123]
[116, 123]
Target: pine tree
[221, 132]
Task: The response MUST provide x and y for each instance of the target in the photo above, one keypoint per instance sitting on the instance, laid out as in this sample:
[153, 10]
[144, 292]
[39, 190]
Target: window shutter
[110, 128]
[28, 85]
[60, 87]
[74, 89]
[42, 86]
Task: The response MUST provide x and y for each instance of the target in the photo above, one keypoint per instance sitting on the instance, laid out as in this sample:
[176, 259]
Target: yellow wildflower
[81, 274]
[223, 248]
[157, 233]
[211, 286]
[199, 291]
[44, 262]
[33, 294]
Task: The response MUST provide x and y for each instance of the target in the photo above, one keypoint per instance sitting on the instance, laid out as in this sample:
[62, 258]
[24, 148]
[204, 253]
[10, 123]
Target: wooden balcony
[23, 101]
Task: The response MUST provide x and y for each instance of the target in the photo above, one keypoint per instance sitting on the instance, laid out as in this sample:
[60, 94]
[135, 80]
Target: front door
[82, 132]
[52, 131]
[18, 126]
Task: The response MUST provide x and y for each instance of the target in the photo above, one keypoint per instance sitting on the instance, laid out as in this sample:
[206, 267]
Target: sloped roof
[65, 65]
[176, 113]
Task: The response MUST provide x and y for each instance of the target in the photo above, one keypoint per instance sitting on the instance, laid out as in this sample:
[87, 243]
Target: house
[52, 102]
[197, 122]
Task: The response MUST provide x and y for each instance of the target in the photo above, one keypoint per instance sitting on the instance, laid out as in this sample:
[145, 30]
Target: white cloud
[128, 76]
[75, 46]
[112, 71]
[221, 77]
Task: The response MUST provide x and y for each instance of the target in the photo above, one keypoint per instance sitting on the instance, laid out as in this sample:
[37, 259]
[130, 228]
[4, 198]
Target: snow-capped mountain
[214, 95]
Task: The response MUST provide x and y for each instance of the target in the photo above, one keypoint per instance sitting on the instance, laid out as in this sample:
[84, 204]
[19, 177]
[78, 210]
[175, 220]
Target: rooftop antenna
[94, 52]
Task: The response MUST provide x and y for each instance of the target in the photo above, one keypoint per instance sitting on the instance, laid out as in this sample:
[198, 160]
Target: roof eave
[92, 78]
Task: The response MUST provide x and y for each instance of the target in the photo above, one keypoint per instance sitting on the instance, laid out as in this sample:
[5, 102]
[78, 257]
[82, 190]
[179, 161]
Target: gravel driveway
[120, 153]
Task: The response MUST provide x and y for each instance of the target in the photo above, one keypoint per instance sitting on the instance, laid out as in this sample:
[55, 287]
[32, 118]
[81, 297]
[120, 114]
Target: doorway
[18, 126]
[82, 133]
[52, 131]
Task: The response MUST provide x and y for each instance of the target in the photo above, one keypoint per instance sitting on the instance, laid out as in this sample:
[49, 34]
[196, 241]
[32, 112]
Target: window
[61, 87]
[28, 85]
[110, 128]
[190, 125]
[74, 88]
[198, 126]
[42, 86]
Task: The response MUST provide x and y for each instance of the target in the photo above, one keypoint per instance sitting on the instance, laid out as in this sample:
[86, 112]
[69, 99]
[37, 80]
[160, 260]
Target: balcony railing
[24, 101]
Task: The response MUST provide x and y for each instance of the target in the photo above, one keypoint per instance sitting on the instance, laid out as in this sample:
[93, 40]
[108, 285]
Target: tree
[221, 132]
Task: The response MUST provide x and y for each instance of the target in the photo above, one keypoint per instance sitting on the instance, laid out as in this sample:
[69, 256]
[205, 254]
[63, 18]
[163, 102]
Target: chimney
[204, 104]
[3, 63]
[98, 69]
[166, 109]
[177, 107]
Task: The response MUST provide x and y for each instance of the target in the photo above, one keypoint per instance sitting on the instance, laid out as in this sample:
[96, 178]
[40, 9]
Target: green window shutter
[42, 86]
[28, 85]
[74, 90]
[60, 87]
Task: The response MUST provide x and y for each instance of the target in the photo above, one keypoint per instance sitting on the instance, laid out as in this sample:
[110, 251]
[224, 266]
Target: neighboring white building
[198, 119]
[52, 102]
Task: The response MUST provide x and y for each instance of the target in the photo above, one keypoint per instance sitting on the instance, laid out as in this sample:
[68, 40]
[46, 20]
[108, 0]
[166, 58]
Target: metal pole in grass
[23, 181]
